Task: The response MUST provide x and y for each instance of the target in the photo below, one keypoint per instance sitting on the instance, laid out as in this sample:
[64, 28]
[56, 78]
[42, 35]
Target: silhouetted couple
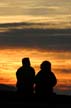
[45, 80]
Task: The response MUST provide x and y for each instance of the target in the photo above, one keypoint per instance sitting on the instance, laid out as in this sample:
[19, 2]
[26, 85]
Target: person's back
[45, 80]
[25, 78]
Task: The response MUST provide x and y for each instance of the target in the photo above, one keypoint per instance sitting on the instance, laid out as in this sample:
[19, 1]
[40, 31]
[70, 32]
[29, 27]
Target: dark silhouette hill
[8, 95]
[4, 88]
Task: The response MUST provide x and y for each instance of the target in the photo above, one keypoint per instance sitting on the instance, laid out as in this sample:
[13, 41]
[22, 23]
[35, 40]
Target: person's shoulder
[52, 73]
[32, 68]
[39, 73]
[19, 69]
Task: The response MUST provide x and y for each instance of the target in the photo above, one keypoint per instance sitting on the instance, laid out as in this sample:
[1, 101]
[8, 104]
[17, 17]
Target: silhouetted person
[45, 80]
[25, 78]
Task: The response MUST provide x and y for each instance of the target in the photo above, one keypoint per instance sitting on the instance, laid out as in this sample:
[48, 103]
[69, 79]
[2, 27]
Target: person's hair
[45, 65]
[26, 61]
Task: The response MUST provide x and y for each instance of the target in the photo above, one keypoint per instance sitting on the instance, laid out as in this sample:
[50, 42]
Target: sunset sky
[53, 11]
[39, 29]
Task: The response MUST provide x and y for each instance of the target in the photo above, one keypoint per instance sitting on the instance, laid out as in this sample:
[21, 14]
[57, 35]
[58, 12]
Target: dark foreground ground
[12, 98]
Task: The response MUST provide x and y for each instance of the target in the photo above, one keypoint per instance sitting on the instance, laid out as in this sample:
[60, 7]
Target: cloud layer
[32, 7]
[37, 38]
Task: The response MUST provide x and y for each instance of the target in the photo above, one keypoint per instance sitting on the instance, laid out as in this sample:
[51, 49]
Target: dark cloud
[6, 87]
[66, 71]
[37, 38]
[63, 89]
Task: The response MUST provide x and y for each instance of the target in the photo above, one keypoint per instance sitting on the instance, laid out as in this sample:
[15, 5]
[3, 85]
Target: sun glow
[10, 61]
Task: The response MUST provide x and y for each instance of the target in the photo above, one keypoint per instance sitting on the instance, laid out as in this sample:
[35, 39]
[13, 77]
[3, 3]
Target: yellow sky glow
[53, 21]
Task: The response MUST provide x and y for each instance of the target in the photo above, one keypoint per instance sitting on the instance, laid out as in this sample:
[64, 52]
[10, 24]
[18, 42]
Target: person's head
[26, 62]
[45, 65]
